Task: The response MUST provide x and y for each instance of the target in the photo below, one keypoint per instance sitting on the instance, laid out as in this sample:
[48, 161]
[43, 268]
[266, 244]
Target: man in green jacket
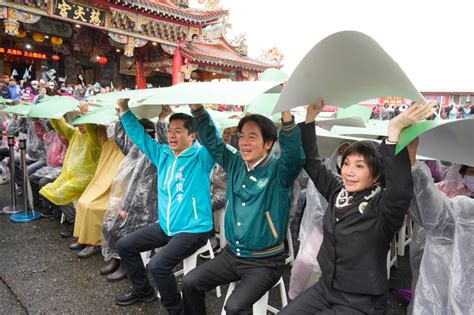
[256, 219]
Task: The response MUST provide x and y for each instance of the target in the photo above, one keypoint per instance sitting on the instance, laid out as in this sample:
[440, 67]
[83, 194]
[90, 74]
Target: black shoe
[67, 230]
[47, 212]
[88, 251]
[76, 245]
[130, 297]
[118, 275]
[111, 267]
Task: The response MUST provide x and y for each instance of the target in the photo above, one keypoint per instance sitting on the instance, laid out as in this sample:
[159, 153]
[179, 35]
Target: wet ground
[39, 274]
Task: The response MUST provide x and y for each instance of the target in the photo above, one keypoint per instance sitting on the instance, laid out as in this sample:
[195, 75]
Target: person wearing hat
[365, 209]
[35, 87]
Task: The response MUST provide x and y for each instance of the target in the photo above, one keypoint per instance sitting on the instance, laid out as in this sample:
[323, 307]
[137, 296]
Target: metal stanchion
[26, 216]
[13, 208]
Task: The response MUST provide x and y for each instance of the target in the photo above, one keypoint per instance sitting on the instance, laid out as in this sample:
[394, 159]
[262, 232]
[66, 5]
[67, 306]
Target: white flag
[26, 75]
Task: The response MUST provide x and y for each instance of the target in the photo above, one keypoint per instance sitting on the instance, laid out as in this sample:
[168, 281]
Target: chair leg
[401, 240]
[230, 289]
[145, 257]
[291, 251]
[284, 299]
[260, 307]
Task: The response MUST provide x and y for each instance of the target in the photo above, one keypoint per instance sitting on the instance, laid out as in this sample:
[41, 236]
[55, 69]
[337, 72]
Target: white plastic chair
[261, 306]
[291, 250]
[392, 257]
[404, 236]
[220, 215]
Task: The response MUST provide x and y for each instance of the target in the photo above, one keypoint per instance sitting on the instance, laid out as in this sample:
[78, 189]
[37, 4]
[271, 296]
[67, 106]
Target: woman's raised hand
[417, 112]
[313, 110]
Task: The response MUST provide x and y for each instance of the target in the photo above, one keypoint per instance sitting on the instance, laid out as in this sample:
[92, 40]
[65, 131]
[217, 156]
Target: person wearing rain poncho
[305, 271]
[365, 209]
[445, 282]
[56, 148]
[184, 209]
[94, 200]
[36, 153]
[78, 169]
[133, 198]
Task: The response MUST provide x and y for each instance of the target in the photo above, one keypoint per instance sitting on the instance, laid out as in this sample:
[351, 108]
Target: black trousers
[256, 277]
[172, 250]
[320, 299]
[37, 183]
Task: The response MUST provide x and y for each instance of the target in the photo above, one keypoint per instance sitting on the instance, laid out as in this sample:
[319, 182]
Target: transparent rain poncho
[305, 271]
[34, 144]
[219, 187]
[56, 148]
[445, 283]
[133, 191]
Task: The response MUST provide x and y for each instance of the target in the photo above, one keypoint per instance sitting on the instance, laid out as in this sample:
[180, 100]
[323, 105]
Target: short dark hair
[463, 170]
[189, 122]
[370, 151]
[149, 126]
[267, 127]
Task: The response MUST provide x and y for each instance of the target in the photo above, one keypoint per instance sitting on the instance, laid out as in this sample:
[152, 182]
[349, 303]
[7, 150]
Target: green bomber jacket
[258, 201]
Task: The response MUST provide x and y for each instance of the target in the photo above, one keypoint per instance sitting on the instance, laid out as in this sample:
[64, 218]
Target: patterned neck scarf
[346, 200]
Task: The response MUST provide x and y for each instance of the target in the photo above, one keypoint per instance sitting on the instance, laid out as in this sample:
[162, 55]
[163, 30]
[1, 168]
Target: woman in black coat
[366, 207]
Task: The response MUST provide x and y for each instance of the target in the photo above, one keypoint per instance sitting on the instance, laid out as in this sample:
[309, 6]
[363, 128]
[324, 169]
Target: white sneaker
[10, 211]
[4, 179]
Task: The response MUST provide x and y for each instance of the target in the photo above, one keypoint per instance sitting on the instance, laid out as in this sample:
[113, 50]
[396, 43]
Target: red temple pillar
[177, 63]
[140, 74]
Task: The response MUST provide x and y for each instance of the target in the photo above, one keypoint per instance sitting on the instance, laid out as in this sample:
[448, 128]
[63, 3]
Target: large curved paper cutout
[349, 121]
[328, 142]
[442, 140]
[107, 99]
[230, 93]
[100, 116]
[362, 112]
[20, 109]
[54, 107]
[357, 131]
[265, 103]
[344, 69]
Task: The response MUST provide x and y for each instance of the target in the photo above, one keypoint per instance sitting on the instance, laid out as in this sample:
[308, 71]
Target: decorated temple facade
[128, 43]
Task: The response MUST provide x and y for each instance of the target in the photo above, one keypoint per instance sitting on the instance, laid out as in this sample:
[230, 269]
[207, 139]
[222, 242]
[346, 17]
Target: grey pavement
[39, 274]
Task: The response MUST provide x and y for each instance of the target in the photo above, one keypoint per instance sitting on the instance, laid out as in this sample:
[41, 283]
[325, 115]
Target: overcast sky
[433, 41]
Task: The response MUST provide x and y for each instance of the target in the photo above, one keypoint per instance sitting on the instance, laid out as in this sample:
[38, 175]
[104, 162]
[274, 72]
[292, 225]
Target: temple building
[129, 43]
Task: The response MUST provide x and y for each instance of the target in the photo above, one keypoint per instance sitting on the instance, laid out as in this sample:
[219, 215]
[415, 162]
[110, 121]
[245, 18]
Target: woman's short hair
[370, 151]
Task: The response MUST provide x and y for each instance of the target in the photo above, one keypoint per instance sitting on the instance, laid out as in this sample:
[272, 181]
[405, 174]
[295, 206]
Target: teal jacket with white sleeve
[184, 194]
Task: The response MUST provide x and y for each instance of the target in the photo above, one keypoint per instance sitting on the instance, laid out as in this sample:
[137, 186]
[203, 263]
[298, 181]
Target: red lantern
[55, 57]
[102, 60]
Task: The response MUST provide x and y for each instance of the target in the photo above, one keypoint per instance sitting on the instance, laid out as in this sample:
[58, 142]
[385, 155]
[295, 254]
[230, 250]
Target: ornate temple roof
[222, 54]
[170, 10]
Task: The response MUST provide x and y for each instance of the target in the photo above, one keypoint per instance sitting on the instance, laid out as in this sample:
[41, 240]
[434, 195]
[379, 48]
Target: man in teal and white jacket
[257, 207]
[184, 208]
